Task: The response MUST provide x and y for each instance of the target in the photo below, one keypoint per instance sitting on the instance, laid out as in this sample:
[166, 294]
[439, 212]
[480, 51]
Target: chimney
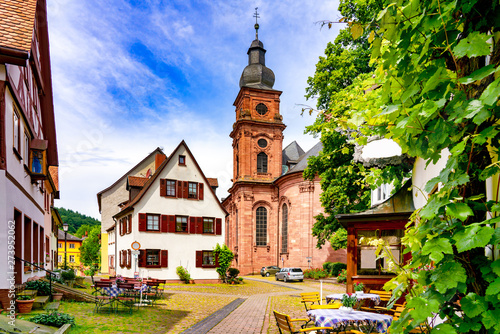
[159, 158]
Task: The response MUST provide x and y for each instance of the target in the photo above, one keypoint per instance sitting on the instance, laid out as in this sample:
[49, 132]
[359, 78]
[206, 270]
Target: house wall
[422, 174]
[109, 205]
[181, 247]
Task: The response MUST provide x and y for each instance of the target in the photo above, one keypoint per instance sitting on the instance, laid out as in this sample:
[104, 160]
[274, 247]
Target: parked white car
[290, 274]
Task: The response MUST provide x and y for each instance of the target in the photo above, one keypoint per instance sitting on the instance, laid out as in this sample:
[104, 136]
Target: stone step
[40, 302]
[52, 306]
[29, 292]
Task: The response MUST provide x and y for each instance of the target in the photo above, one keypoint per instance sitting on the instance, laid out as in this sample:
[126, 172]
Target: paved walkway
[248, 316]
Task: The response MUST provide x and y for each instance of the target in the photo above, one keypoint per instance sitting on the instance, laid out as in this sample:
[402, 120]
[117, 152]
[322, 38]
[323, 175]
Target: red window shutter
[200, 191]
[218, 226]
[192, 225]
[142, 222]
[178, 193]
[199, 259]
[129, 258]
[142, 258]
[120, 227]
[129, 224]
[163, 187]
[185, 189]
[164, 223]
[164, 258]
[199, 225]
[171, 224]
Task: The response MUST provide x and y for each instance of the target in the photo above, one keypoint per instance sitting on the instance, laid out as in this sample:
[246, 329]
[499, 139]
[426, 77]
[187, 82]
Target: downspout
[278, 231]
[116, 246]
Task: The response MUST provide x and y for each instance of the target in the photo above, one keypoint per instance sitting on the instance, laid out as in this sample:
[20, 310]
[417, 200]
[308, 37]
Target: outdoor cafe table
[366, 322]
[338, 296]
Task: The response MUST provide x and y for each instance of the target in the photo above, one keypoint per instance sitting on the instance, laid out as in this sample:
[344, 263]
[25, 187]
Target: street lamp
[65, 229]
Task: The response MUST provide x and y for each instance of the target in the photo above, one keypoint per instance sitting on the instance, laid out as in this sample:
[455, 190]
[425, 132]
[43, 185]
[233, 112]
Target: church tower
[258, 131]
[257, 162]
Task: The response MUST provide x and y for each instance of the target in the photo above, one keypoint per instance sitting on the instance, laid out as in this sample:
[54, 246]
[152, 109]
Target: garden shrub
[42, 287]
[233, 272]
[334, 268]
[56, 319]
[183, 274]
[68, 275]
[342, 277]
[316, 273]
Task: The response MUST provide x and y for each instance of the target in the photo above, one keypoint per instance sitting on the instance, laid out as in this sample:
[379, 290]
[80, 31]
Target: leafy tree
[224, 257]
[90, 251]
[438, 84]
[85, 228]
[75, 220]
[342, 181]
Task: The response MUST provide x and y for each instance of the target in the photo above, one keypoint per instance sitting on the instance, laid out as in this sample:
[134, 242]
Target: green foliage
[316, 273]
[183, 274]
[42, 287]
[338, 239]
[334, 268]
[75, 220]
[24, 297]
[68, 275]
[224, 258]
[56, 319]
[349, 300]
[342, 277]
[90, 251]
[233, 272]
[358, 286]
[437, 87]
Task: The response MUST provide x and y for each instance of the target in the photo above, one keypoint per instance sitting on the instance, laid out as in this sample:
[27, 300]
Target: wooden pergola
[387, 221]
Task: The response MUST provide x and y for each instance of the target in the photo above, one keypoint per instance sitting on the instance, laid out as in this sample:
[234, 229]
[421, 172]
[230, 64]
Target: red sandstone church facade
[270, 206]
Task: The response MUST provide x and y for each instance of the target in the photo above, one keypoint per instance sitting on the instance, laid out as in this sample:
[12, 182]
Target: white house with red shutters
[173, 218]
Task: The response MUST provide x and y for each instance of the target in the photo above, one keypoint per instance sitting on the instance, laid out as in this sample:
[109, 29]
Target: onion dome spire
[256, 74]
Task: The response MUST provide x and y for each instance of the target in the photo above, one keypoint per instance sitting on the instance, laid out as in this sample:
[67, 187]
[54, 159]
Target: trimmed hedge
[334, 268]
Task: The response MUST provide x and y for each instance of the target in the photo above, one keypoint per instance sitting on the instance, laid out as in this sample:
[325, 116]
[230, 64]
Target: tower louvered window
[261, 226]
[261, 162]
[284, 229]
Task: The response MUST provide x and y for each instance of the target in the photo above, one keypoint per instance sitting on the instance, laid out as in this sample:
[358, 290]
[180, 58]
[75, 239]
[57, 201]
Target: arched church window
[284, 229]
[261, 162]
[261, 226]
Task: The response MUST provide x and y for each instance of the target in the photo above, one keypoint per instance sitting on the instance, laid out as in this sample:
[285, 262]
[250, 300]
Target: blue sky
[130, 76]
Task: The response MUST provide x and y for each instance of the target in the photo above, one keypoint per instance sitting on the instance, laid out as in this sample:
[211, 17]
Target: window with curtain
[261, 226]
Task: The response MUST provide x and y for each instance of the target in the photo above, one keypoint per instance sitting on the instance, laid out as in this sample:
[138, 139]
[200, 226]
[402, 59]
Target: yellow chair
[285, 323]
[313, 300]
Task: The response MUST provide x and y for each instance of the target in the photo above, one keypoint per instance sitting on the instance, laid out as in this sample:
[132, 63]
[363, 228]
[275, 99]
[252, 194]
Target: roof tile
[17, 19]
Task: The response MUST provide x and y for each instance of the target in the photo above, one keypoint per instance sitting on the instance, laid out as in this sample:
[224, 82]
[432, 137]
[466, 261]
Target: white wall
[422, 174]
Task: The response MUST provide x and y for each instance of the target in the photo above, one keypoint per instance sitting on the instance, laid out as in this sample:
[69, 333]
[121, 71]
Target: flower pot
[57, 295]
[191, 281]
[359, 292]
[24, 306]
[345, 309]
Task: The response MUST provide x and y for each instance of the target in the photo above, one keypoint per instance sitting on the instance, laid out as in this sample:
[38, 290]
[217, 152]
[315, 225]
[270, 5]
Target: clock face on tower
[261, 109]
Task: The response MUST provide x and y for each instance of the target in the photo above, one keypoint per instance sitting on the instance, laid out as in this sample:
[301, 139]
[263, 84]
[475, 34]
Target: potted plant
[68, 276]
[57, 296]
[183, 274]
[24, 303]
[348, 302]
[359, 288]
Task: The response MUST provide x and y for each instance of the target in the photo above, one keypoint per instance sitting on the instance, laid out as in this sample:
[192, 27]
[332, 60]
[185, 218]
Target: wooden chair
[128, 297]
[152, 292]
[313, 300]
[102, 300]
[285, 323]
[385, 296]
